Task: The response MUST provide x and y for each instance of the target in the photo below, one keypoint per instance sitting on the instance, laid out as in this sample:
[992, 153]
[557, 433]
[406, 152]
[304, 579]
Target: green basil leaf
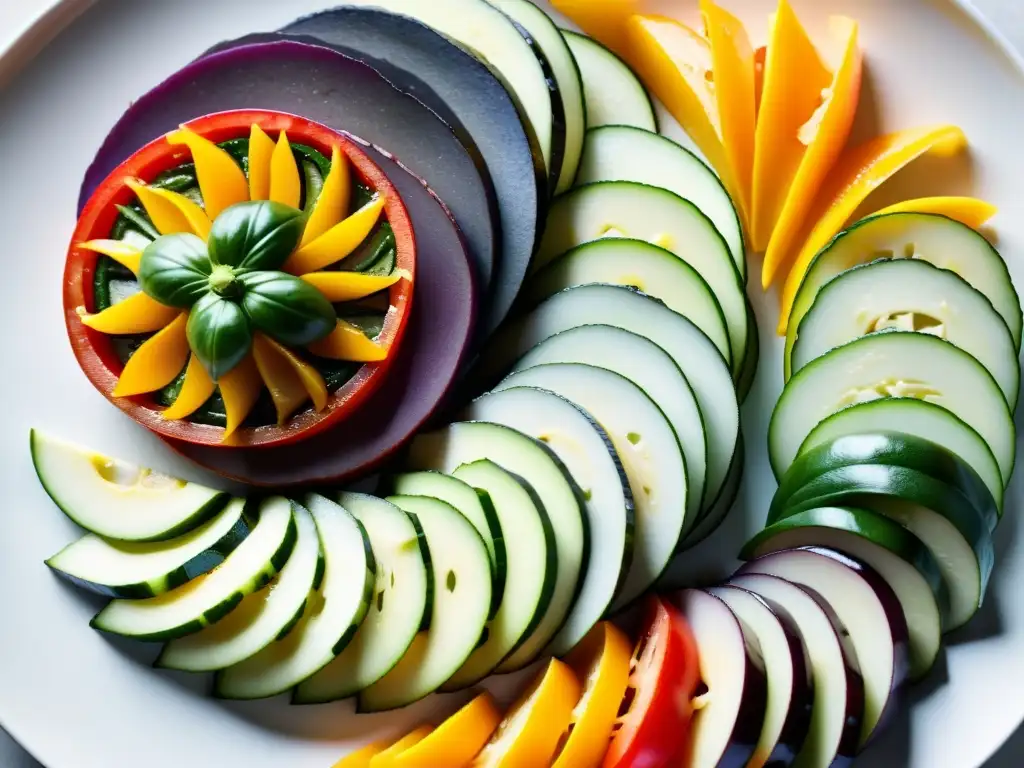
[174, 270]
[256, 235]
[286, 308]
[219, 334]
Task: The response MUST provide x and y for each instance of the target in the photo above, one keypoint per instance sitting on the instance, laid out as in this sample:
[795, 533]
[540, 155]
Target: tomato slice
[654, 721]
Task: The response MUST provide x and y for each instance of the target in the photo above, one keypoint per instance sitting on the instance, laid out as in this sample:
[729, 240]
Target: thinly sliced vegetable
[969, 211]
[333, 201]
[612, 93]
[240, 388]
[384, 759]
[136, 314]
[124, 253]
[157, 362]
[285, 386]
[285, 186]
[347, 342]
[261, 150]
[456, 741]
[195, 390]
[171, 212]
[339, 286]
[221, 181]
[361, 757]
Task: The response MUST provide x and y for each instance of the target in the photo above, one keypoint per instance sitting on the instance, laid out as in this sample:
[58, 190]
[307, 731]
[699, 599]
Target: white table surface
[17, 15]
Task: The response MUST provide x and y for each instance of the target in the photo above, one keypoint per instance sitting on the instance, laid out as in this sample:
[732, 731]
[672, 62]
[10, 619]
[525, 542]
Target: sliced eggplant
[613, 94]
[838, 708]
[587, 452]
[866, 606]
[647, 447]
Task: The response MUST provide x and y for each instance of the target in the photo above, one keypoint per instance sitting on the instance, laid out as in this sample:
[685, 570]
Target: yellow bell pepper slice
[333, 202]
[604, 20]
[337, 242]
[349, 286]
[967, 210]
[529, 733]
[457, 740]
[824, 134]
[291, 381]
[732, 58]
[285, 187]
[261, 149]
[601, 661]
[346, 342]
[858, 173]
[123, 253]
[794, 78]
[221, 182]
[196, 389]
[361, 757]
[137, 314]
[386, 759]
[760, 55]
[240, 388]
[171, 212]
[157, 362]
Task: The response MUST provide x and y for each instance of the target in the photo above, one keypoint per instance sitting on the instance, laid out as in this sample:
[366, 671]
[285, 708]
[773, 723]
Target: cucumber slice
[462, 597]
[719, 510]
[533, 568]
[400, 600]
[210, 597]
[649, 367]
[745, 382]
[920, 419]
[900, 557]
[691, 350]
[612, 93]
[892, 364]
[332, 616]
[909, 295]
[262, 617]
[621, 153]
[648, 449]
[567, 78]
[936, 239]
[658, 216]
[105, 495]
[466, 442]
[950, 527]
[138, 569]
[586, 451]
[475, 505]
[646, 267]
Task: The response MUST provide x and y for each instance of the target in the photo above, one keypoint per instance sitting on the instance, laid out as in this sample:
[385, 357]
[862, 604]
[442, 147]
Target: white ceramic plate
[76, 699]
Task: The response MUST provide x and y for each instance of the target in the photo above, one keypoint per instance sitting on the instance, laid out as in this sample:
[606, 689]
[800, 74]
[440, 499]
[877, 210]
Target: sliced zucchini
[333, 612]
[643, 212]
[262, 617]
[648, 449]
[586, 451]
[466, 442]
[139, 569]
[628, 309]
[745, 382]
[899, 556]
[920, 419]
[462, 598]
[613, 94]
[533, 568]
[116, 499]
[401, 595]
[715, 515]
[621, 153]
[646, 267]
[940, 241]
[210, 597]
[475, 504]
[892, 364]
[909, 295]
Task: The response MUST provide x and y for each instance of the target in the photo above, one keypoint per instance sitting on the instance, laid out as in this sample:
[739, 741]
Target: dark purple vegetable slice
[435, 344]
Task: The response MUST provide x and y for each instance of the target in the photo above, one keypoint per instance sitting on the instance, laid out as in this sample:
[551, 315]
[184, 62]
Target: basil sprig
[233, 285]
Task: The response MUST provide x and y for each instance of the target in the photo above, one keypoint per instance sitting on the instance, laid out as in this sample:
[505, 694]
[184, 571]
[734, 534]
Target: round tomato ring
[95, 351]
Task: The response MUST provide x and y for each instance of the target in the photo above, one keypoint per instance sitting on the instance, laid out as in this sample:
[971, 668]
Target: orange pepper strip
[361, 758]
[859, 172]
[286, 388]
[457, 740]
[123, 253]
[333, 202]
[824, 135]
[794, 78]
[604, 20]
[337, 242]
[157, 362]
[386, 759]
[285, 186]
[529, 733]
[171, 212]
[967, 210]
[760, 57]
[240, 387]
[136, 314]
[349, 286]
[221, 182]
[195, 390]
[346, 342]
[261, 149]
[601, 661]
